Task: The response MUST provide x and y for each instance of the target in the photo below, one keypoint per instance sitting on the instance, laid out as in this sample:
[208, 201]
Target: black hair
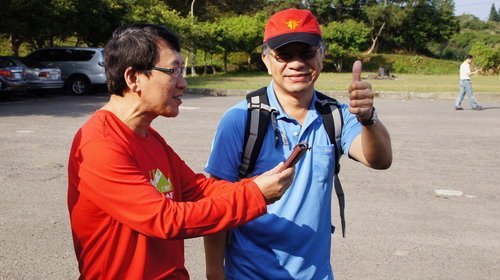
[136, 46]
[469, 56]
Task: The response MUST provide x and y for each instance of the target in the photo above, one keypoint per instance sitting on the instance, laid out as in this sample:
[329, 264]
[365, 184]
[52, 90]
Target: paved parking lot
[398, 227]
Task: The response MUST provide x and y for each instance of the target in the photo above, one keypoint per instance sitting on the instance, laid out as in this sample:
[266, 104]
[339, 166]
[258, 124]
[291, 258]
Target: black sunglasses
[289, 56]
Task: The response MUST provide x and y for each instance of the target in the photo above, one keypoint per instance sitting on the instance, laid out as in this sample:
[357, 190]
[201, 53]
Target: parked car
[81, 68]
[12, 78]
[37, 75]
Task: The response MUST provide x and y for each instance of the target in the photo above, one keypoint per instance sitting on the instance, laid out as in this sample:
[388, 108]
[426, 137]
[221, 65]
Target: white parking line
[188, 108]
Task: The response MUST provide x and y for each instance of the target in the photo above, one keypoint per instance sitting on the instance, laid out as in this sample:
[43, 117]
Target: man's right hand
[273, 184]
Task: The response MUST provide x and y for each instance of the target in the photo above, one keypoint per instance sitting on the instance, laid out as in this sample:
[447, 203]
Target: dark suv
[81, 68]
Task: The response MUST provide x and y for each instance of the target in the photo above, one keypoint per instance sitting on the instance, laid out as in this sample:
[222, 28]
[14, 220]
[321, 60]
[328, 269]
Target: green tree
[428, 21]
[35, 22]
[210, 10]
[206, 42]
[239, 33]
[93, 21]
[345, 38]
[494, 15]
[156, 11]
[468, 21]
[385, 19]
[472, 30]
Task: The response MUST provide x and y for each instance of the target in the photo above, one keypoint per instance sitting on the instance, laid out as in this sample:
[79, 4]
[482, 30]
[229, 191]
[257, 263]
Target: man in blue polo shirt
[292, 241]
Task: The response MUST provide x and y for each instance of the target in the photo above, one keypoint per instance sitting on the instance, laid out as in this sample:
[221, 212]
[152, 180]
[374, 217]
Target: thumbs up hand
[360, 95]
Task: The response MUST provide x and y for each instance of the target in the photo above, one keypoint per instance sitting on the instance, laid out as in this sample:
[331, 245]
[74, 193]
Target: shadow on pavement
[50, 104]
[490, 108]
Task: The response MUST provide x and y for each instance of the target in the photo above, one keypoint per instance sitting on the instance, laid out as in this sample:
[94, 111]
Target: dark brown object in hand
[298, 151]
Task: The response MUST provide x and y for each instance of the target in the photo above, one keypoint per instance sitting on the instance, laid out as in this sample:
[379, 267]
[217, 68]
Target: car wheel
[79, 85]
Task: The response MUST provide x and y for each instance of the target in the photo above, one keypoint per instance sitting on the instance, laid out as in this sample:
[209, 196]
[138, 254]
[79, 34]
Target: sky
[479, 8]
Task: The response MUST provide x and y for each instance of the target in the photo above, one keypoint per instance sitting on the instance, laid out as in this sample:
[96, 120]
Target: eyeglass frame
[176, 72]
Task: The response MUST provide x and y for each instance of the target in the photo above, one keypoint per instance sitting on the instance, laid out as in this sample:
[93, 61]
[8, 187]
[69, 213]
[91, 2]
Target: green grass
[340, 82]
[410, 64]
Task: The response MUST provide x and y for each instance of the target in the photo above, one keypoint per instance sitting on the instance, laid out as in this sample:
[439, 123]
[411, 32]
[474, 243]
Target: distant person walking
[466, 85]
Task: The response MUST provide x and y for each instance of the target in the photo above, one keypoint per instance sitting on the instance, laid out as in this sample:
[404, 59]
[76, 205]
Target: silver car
[37, 75]
[12, 79]
[81, 68]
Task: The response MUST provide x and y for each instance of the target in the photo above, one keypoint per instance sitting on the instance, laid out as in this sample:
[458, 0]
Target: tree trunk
[193, 64]
[375, 40]
[249, 61]
[15, 44]
[338, 64]
[185, 68]
[214, 71]
[204, 62]
[225, 61]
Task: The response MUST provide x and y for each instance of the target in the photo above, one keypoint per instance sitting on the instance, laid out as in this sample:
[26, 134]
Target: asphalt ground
[399, 224]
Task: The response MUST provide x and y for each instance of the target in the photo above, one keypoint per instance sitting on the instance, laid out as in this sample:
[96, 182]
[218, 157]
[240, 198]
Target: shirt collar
[273, 102]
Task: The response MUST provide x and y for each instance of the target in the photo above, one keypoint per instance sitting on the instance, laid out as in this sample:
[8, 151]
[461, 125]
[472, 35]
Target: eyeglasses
[283, 57]
[171, 71]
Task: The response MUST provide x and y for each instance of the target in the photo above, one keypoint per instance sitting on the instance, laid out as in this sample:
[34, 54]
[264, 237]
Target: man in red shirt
[131, 198]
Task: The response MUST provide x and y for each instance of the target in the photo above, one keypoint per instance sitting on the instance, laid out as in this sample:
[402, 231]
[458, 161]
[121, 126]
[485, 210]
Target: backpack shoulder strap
[333, 121]
[259, 116]
[332, 118]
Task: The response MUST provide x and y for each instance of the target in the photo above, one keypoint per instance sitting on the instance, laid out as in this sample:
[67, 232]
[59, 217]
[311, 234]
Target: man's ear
[132, 79]
[265, 58]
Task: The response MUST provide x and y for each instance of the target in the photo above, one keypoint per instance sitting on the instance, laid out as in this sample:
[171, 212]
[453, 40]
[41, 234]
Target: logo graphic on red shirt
[161, 182]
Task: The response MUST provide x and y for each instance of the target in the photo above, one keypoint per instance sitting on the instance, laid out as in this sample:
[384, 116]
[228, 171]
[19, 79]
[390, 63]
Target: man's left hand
[360, 94]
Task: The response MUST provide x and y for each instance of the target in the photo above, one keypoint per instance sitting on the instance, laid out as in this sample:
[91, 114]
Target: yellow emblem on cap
[293, 24]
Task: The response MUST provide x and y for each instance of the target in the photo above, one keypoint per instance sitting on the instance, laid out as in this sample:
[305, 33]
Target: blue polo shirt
[293, 240]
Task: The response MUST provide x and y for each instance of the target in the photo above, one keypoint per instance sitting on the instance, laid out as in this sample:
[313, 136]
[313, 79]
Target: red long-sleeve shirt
[132, 201]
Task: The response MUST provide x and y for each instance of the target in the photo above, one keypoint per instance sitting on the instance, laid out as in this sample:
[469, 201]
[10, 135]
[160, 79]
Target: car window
[41, 55]
[31, 63]
[82, 55]
[5, 62]
[62, 54]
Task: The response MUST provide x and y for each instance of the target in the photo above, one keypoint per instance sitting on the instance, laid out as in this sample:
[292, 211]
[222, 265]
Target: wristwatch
[372, 120]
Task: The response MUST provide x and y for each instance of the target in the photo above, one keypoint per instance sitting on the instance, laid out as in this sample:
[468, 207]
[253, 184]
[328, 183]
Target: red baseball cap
[292, 25]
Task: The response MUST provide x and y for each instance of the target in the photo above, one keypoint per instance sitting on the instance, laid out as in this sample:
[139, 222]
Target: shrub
[486, 57]
[410, 64]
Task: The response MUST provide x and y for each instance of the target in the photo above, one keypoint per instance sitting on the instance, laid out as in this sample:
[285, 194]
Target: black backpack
[259, 116]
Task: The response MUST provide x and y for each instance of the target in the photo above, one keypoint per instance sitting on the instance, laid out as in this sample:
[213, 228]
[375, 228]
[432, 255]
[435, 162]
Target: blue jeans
[466, 87]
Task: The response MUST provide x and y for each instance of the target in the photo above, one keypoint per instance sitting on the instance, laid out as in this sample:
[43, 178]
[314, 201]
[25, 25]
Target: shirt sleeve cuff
[260, 199]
